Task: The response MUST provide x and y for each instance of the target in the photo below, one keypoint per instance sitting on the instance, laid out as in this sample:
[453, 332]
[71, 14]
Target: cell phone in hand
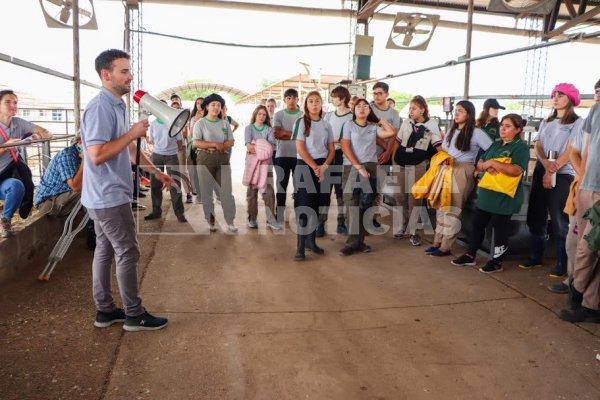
[27, 136]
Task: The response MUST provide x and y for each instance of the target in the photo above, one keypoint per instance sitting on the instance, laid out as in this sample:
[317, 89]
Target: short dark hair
[175, 96]
[342, 93]
[291, 92]
[597, 85]
[382, 85]
[5, 92]
[392, 100]
[106, 58]
[272, 100]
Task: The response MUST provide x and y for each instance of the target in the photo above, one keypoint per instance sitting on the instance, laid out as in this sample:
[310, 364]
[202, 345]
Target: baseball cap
[493, 103]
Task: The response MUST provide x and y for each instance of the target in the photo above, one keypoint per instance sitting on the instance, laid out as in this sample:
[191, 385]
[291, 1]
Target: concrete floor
[247, 322]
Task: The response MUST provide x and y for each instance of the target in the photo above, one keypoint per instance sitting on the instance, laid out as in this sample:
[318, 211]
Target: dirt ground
[247, 322]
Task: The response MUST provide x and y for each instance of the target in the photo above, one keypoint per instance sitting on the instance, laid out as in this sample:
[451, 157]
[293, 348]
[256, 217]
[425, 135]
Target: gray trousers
[173, 170]
[116, 238]
[215, 172]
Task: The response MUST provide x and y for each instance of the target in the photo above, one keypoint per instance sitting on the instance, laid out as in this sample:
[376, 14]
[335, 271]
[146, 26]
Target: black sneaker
[106, 319]
[464, 261]
[144, 322]
[490, 267]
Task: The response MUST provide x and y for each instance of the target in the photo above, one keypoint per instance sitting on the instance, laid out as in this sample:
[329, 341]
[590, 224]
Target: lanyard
[12, 150]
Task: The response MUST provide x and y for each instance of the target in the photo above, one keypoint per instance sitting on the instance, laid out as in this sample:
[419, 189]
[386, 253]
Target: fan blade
[65, 14]
[400, 29]
[85, 13]
[407, 39]
[422, 32]
[57, 2]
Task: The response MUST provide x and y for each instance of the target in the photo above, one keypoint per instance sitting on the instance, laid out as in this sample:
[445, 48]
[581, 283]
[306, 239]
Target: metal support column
[76, 71]
[468, 51]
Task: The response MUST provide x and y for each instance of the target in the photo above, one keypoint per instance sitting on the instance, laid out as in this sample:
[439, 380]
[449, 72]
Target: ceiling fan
[539, 7]
[412, 31]
[59, 14]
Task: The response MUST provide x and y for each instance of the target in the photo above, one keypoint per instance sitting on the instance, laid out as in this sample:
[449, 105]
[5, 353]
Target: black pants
[500, 228]
[544, 202]
[310, 195]
[283, 167]
[334, 178]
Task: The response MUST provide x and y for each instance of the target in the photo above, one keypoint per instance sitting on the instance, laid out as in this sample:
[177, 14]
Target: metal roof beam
[369, 9]
[574, 22]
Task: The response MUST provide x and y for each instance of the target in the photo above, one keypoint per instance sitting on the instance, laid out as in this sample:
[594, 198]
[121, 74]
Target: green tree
[401, 98]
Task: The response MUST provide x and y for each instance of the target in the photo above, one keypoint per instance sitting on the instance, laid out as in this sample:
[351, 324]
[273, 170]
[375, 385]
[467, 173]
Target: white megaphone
[175, 119]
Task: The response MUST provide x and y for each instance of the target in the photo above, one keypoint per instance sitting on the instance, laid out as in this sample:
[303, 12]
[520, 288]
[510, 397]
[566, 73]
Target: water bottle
[552, 157]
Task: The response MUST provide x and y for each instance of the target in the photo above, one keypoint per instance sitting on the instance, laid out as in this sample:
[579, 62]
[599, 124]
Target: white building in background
[56, 117]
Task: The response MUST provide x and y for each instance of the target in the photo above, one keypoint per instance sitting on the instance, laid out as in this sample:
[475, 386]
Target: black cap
[493, 103]
[213, 97]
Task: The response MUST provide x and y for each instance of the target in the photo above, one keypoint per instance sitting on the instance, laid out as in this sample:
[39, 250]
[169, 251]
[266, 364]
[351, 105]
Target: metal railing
[38, 153]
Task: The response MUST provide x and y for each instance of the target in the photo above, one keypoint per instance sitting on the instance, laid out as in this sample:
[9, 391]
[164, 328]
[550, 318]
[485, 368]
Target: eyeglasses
[361, 105]
[378, 93]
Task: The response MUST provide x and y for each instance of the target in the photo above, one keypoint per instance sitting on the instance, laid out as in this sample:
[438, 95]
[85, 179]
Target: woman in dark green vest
[496, 208]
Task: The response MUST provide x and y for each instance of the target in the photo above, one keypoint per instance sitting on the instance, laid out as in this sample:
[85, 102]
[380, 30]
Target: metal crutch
[65, 240]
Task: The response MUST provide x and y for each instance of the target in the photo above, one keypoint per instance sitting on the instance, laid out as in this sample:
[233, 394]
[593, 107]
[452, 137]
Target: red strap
[12, 150]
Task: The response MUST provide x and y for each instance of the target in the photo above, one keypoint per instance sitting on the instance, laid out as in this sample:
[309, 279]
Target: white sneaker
[252, 224]
[275, 226]
[232, 228]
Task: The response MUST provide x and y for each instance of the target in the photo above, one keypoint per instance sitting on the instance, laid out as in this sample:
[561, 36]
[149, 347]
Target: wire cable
[252, 46]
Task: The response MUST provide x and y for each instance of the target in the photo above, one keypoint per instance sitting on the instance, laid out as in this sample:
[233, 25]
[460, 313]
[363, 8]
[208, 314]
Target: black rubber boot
[538, 244]
[300, 245]
[574, 297]
[560, 269]
[311, 244]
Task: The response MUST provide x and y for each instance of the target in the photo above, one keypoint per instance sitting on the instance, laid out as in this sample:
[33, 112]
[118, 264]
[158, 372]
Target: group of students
[346, 150]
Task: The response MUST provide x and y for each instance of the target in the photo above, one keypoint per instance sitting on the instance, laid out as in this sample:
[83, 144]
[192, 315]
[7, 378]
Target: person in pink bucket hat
[569, 90]
[552, 178]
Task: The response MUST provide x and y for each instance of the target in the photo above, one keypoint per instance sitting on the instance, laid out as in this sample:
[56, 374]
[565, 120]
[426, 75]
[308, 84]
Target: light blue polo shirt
[109, 184]
[163, 143]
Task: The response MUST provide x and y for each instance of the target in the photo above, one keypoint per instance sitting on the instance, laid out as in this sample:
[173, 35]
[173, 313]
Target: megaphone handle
[137, 167]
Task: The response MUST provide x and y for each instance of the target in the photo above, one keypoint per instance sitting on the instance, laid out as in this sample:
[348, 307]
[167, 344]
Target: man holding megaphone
[109, 148]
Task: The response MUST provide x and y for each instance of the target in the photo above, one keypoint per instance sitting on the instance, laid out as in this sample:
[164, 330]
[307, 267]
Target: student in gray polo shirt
[16, 190]
[213, 139]
[285, 154]
[109, 145]
[315, 151]
[385, 148]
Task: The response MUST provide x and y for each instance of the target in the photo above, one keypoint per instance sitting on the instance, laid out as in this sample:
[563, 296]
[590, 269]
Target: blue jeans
[11, 191]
